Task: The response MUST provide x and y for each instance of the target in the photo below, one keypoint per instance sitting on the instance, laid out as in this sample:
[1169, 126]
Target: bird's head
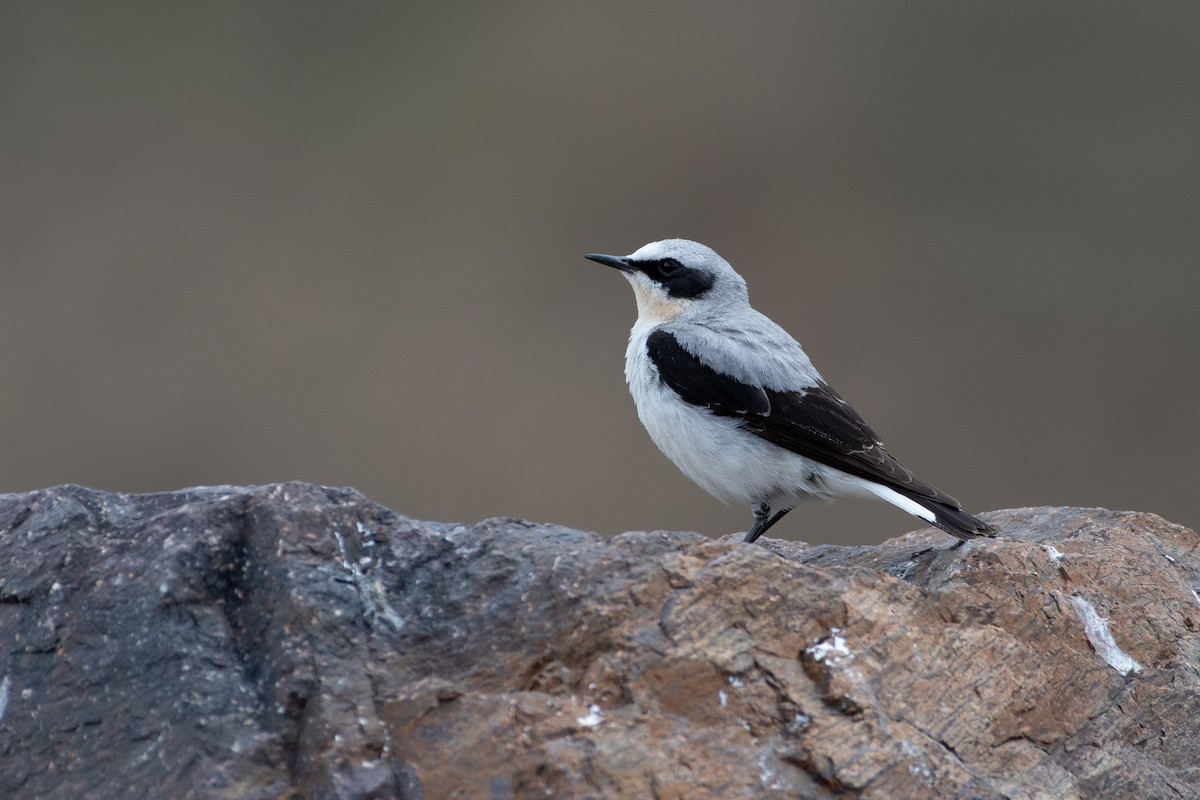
[678, 278]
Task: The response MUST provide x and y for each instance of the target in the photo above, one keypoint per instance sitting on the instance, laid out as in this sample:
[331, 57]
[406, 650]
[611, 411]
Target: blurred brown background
[343, 243]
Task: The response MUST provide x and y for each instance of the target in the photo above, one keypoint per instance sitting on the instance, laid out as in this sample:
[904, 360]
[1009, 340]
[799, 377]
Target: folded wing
[813, 422]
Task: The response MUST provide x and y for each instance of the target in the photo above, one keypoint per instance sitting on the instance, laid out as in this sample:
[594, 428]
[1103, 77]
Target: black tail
[954, 521]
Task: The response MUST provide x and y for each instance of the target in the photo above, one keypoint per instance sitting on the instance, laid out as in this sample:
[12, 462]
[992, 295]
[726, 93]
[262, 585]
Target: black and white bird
[735, 403]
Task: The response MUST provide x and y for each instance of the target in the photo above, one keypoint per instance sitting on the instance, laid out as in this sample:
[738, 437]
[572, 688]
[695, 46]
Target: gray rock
[301, 641]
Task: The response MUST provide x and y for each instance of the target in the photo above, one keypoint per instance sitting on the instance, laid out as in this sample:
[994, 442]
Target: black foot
[763, 520]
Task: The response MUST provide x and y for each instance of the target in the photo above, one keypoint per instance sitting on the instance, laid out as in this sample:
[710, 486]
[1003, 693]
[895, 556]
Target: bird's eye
[668, 266]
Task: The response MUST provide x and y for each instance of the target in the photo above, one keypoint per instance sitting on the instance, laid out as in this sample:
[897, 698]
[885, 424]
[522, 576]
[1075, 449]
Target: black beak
[611, 261]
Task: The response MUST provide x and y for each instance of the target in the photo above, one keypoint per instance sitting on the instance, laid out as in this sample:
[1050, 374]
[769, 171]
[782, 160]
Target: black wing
[815, 423]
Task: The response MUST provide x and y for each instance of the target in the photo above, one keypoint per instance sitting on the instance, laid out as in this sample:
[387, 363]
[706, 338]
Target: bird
[733, 400]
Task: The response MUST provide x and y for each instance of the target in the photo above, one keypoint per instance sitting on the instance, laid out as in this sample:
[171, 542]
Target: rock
[301, 641]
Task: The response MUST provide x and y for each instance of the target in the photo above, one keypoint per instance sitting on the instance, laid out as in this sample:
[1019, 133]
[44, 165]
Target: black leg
[761, 512]
[763, 520]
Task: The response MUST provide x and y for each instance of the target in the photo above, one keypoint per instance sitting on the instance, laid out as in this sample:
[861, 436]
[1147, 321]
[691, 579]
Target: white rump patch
[899, 501]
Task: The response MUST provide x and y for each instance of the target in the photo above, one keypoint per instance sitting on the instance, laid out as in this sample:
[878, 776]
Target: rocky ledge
[301, 641]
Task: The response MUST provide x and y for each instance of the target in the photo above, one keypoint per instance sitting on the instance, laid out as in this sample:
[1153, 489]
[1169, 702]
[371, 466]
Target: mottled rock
[301, 641]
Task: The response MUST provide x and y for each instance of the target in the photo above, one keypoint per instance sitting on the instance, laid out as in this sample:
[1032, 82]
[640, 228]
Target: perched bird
[735, 403]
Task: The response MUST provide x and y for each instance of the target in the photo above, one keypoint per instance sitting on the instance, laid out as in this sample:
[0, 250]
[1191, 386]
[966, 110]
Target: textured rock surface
[301, 641]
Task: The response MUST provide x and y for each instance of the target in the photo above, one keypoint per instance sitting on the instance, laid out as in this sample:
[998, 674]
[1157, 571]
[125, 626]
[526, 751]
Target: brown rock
[300, 641]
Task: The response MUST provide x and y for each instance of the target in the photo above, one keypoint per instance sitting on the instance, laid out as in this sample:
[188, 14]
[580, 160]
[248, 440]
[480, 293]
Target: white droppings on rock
[918, 767]
[1053, 552]
[1095, 627]
[768, 777]
[832, 649]
[594, 717]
